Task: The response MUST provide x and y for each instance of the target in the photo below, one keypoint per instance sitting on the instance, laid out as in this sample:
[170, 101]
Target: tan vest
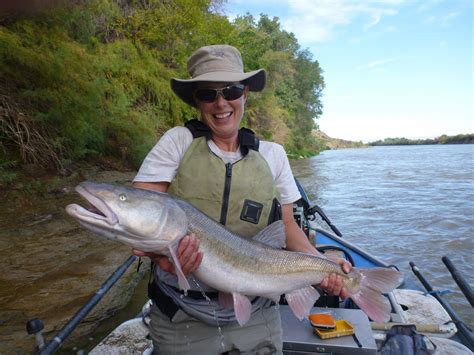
[242, 196]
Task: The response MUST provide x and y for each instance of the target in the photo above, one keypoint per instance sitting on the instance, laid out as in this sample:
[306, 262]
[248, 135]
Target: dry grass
[20, 130]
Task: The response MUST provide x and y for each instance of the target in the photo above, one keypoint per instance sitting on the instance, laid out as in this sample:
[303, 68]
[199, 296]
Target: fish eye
[123, 197]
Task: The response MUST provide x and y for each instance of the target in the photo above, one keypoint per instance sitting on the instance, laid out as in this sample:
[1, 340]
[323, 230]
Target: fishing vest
[242, 196]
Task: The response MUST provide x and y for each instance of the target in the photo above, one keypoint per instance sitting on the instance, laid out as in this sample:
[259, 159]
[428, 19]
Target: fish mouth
[99, 210]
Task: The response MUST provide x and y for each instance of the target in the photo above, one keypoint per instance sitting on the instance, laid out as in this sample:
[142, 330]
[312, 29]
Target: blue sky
[393, 68]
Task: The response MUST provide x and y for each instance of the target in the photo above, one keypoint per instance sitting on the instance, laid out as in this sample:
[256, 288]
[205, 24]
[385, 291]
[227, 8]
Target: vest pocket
[251, 211]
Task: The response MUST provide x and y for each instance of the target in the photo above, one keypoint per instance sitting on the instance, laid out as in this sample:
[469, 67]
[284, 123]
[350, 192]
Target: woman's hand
[334, 284]
[188, 255]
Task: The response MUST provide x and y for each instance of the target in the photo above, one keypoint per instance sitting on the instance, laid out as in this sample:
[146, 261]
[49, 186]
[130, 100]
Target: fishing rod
[311, 211]
[460, 280]
[35, 326]
[320, 212]
[465, 334]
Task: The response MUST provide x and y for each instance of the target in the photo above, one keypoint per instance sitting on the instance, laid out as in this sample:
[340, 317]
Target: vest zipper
[225, 198]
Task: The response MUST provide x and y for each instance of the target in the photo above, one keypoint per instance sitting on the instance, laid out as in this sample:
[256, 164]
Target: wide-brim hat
[217, 63]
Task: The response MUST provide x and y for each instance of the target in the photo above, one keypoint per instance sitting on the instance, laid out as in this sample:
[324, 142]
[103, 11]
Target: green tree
[90, 79]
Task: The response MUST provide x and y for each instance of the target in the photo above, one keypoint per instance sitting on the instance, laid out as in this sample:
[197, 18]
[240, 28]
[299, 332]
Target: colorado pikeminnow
[155, 222]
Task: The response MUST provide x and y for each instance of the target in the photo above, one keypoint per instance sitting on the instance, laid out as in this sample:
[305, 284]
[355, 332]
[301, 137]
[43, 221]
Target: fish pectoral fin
[226, 300]
[242, 308]
[273, 235]
[182, 281]
[302, 300]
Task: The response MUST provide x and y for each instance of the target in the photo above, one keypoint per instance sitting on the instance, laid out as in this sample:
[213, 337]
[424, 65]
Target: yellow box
[343, 328]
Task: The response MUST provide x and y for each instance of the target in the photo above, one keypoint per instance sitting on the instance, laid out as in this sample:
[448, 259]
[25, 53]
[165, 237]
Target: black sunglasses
[231, 92]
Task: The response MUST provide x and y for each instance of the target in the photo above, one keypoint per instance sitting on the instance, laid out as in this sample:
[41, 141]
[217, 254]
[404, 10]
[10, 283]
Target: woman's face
[222, 116]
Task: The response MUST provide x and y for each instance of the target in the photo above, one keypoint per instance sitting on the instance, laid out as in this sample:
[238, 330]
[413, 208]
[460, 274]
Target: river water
[402, 204]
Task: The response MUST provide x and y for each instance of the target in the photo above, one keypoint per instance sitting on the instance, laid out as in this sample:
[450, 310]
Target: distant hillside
[335, 143]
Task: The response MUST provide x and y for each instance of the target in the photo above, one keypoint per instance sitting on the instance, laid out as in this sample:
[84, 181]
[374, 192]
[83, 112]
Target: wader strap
[166, 304]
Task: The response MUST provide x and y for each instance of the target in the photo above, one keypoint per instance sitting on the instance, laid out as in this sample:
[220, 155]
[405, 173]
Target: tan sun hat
[217, 63]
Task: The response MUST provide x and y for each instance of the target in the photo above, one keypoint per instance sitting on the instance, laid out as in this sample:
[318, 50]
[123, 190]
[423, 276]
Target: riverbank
[443, 139]
[50, 264]
[336, 143]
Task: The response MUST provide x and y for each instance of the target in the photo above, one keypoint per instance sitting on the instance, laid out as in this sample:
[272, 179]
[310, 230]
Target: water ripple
[412, 203]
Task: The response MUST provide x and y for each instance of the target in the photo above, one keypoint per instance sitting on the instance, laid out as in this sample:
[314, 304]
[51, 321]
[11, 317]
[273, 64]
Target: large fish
[155, 222]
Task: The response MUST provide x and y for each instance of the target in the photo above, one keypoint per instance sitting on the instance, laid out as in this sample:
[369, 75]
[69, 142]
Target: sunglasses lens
[206, 95]
[233, 92]
[230, 93]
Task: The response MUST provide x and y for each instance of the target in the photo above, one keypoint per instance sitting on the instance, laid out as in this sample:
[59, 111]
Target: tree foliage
[91, 78]
[443, 139]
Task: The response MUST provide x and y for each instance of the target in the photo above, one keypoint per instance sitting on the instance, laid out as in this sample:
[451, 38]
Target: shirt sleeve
[162, 162]
[276, 158]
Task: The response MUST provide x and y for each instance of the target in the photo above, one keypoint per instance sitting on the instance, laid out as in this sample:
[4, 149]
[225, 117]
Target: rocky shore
[51, 266]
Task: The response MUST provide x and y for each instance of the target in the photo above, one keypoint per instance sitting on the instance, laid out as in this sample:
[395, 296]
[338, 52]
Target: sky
[392, 68]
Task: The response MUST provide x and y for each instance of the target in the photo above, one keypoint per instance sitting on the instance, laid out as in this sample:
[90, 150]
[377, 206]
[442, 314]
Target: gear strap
[247, 138]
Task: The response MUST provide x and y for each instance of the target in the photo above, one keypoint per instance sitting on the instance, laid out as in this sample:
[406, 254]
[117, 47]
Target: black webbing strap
[198, 129]
[164, 303]
[247, 138]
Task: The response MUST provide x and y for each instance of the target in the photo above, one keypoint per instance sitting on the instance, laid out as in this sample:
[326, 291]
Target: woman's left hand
[334, 284]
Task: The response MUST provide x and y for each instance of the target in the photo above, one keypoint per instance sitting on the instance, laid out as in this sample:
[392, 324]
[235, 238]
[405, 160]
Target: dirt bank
[50, 265]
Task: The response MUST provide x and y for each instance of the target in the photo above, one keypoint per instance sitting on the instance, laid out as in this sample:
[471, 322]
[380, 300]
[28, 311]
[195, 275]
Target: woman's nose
[220, 100]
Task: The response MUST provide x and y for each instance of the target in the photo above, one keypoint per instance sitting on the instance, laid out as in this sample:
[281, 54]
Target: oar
[58, 339]
[460, 280]
[465, 334]
[421, 327]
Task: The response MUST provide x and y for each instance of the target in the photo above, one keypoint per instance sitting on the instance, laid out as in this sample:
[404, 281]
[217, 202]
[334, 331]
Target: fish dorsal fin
[182, 281]
[242, 308]
[272, 235]
[302, 300]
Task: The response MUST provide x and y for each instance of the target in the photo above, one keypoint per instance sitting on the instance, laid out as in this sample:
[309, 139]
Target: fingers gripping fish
[238, 268]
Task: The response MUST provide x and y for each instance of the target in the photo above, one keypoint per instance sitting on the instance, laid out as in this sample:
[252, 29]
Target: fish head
[146, 220]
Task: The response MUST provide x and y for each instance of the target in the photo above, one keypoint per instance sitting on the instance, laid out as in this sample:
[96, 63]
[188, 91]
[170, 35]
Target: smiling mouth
[222, 116]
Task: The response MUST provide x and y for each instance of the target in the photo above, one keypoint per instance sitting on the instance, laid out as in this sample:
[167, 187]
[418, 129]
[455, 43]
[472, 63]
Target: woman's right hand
[188, 255]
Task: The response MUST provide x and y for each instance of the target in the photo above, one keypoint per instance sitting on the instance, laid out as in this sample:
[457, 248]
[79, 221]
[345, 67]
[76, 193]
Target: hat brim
[184, 88]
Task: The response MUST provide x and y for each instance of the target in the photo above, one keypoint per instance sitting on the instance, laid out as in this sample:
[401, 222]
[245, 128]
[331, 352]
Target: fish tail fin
[368, 296]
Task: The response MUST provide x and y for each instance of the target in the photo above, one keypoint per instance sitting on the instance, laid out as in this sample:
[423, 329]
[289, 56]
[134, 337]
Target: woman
[236, 180]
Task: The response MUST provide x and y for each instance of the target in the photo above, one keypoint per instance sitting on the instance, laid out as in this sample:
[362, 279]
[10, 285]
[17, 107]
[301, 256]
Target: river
[402, 204]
